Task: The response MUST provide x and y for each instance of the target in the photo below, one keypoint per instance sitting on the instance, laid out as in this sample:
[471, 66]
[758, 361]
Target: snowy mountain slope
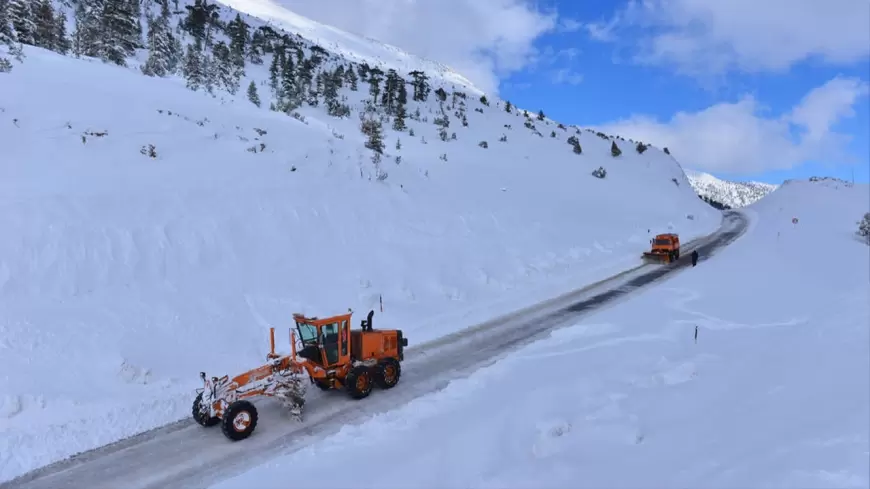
[150, 231]
[348, 46]
[732, 194]
[646, 405]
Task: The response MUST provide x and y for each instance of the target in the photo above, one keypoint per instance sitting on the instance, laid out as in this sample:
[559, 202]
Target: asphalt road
[186, 455]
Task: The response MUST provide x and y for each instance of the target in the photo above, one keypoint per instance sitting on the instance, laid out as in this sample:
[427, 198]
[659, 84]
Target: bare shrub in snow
[483, 144]
[600, 172]
[148, 150]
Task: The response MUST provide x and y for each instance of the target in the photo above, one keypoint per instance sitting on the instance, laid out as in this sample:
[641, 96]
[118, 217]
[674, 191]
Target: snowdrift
[774, 392]
[150, 232]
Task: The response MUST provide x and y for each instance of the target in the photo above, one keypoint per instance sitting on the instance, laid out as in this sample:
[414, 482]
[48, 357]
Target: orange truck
[332, 356]
[664, 248]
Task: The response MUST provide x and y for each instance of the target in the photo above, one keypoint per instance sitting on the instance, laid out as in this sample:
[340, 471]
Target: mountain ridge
[730, 193]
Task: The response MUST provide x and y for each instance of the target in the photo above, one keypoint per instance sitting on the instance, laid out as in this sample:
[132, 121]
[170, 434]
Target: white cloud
[484, 40]
[737, 138]
[565, 76]
[708, 37]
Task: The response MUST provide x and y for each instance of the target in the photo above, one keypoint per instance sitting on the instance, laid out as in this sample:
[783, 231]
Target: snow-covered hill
[152, 227]
[774, 392]
[732, 194]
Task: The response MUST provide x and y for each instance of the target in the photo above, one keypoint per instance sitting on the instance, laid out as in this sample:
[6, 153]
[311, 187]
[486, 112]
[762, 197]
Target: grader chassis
[333, 356]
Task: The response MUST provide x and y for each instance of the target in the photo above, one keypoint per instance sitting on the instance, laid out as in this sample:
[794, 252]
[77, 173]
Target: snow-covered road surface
[184, 454]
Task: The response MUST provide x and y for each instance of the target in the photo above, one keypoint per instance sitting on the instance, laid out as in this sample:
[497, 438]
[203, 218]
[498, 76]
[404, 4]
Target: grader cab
[331, 355]
[340, 357]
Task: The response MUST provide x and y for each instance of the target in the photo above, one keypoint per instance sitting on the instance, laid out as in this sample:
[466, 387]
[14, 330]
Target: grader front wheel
[199, 417]
[239, 420]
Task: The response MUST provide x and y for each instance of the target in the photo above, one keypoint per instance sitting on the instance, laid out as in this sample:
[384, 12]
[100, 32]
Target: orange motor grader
[333, 356]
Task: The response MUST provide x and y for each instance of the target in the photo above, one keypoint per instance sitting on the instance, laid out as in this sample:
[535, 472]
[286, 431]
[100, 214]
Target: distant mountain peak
[732, 194]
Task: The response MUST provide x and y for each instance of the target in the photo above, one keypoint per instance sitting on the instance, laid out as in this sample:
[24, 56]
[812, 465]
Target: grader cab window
[663, 242]
[307, 334]
[330, 342]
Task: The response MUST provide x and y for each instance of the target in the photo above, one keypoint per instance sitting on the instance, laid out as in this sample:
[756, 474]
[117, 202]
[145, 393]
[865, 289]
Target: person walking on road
[694, 257]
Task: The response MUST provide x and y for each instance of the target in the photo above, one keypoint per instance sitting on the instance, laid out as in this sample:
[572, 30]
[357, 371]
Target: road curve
[186, 455]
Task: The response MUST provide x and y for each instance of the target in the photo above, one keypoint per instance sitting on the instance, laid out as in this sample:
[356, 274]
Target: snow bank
[775, 393]
[122, 276]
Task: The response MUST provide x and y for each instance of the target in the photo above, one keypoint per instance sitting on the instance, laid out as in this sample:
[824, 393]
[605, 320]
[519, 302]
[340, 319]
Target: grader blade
[290, 391]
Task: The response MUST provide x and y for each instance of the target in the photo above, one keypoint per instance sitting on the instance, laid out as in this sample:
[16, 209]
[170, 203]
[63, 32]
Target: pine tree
[338, 76]
[22, 19]
[329, 86]
[193, 68]
[118, 33]
[372, 127]
[7, 37]
[209, 71]
[87, 35]
[237, 30]
[7, 33]
[196, 20]
[257, 47]
[614, 150]
[399, 120]
[135, 7]
[225, 71]
[304, 80]
[275, 68]
[352, 79]
[421, 88]
[160, 45]
[507, 106]
[252, 94]
[540, 115]
[43, 20]
[374, 83]
[290, 88]
[61, 41]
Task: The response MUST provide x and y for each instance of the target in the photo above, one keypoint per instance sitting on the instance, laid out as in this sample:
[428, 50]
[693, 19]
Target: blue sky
[590, 80]
[743, 89]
